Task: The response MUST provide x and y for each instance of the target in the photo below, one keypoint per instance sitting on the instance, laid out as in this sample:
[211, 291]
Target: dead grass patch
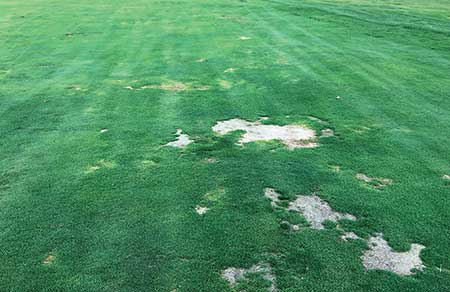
[235, 275]
[182, 140]
[380, 256]
[293, 136]
[316, 211]
[100, 164]
[374, 182]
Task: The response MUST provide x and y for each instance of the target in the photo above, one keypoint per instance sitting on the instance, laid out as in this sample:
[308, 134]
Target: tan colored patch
[244, 38]
[335, 168]
[182, 140]
[349, 235]
[272, 195]
[172, 86]
[375, 182]
[100, 164]
[225, 84]
[316, 211]
[201, 60]
[49, 259]
[229, 70]
[234, 275]
[293, 136]
[380, 256]
[327, 133]
[103, 130]
[214, 196]
[201, 210]
[446, 177]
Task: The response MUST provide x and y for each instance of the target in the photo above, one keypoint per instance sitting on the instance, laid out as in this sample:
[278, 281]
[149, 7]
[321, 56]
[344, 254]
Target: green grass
[130, 225]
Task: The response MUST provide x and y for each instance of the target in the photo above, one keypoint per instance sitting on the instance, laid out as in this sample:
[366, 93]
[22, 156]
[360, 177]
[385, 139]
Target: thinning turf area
[88, 210]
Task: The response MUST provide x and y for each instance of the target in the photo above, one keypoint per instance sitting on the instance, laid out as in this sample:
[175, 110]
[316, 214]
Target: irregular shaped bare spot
[316, 119]
[201, 60]
[181, 141]
[225, 84]
[272, 195]
[375, 182]
[49, 259]
[129, 87]
[326, 133]
[338, 97]
[380, 256]
[100, 164]
[290, 226]
[229, 70]
[103, 130]
[74, 87]
[316, 211]
[201, 210]
[210, 160]
[446, 177]
[244, 38]
[335, 168]
[293, 136]
[234, 275]
[349, 235]
[215, 195]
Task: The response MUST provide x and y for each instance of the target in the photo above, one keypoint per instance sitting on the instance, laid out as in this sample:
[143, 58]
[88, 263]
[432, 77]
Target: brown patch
[100, 164]
[49, 259]
[234, 275]
[293, 136]
[201, 210]
[380, 256]
[375, 182]
[182, 140]
[316, 211]
[225, 84]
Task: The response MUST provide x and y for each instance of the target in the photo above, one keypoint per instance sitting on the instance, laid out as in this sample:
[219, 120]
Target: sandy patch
[229, 70]
[100, 164]
[225, 84]
[293, 136]
[103, 130]
[201, 210]
[326, 133]
[316, 119]
[290, 226]
[201, 60]
[49, 259]
[182, 140]
[244, 38]
[316, 211]
[349, 235]
[272, 195]
[234, 275]
[380, 256]
[375, 182]
[171, 86]
[446, 177]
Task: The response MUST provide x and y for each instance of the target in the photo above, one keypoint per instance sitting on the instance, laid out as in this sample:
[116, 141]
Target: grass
[114, 211]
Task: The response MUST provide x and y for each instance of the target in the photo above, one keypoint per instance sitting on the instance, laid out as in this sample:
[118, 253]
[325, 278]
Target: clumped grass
[82, 210]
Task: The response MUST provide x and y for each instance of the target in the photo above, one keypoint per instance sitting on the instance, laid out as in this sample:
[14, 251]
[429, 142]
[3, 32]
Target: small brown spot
[49, 259]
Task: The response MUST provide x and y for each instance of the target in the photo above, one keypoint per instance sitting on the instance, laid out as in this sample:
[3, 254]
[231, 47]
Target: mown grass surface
[116, 210]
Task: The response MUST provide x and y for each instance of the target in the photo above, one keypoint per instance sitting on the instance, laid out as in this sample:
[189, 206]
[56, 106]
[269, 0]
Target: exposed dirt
[349, 235]
[244, 38]
[229, 70]
[375, 182]
[100, 164]
[293, 136]
[380, 256]
[49, 259]
[103, 130]
[317, 211]
[182, 140]
[201, 210]
[272, 195]
[234, 275]
[326, 133]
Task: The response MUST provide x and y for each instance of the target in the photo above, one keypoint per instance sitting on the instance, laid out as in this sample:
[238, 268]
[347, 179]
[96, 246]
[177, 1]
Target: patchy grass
[84, 209]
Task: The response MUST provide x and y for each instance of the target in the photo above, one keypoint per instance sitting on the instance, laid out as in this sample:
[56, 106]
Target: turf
[115, 210]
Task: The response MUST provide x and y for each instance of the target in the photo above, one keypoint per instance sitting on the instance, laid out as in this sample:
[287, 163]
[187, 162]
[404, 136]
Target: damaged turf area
[224, 146]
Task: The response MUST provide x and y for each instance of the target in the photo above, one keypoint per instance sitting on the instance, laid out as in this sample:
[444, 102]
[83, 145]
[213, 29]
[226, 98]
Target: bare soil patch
[380, 256]
[201, 210]
[375, 182]
[316, 211]
[293, 136]
[234, 275]
[182, 140]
